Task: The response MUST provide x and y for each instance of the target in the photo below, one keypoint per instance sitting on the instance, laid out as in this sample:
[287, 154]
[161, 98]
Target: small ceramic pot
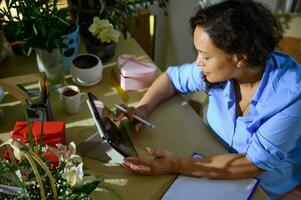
[86, 69]
[104, 52]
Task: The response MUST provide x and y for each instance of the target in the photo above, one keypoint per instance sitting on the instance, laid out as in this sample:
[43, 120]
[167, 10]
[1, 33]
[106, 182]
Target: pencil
[136, 116]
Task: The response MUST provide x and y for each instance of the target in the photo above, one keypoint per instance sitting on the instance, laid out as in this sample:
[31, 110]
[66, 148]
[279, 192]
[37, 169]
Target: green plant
[1, 41]
[121, 13]
[35, 24]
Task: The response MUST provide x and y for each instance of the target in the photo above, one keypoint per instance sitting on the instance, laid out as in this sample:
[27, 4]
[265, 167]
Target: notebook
[192, 188]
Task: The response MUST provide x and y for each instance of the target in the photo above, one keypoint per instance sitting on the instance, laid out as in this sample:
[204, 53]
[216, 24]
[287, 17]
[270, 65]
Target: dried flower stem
[37, 175]
[47, 171]
[28, 127]
[41, 134]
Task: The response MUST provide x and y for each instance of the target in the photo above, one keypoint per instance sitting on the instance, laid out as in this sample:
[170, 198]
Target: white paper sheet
[192, 188]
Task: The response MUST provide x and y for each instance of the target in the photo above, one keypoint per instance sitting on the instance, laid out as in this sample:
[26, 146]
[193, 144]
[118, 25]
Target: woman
[254, 99]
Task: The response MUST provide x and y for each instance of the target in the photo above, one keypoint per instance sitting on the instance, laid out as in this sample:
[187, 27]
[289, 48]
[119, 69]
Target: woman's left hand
[163, 162]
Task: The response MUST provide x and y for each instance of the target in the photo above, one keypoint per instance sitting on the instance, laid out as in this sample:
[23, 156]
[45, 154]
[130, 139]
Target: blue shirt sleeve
[278, 140]
[186, 78]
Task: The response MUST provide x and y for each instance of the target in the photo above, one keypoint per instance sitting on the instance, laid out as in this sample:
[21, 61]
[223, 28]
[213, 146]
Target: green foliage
[30, 186]
[28, 127]
[20, 172]
[87, 188]
[38, 24]
[9, 177]
[1, 40]
[121, 13]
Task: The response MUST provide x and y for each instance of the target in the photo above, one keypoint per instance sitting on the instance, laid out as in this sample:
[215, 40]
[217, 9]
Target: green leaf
[88, 187]
[28, 126]
[42, 133]
[78, 196]
[34, 29]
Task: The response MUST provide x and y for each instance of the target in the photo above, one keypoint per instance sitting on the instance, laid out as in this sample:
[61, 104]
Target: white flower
[72, 148]
[73, 172]
[103, 30]
[19, 174]
[98, 25]
[89, 179]
[65, 152]
[15, 145]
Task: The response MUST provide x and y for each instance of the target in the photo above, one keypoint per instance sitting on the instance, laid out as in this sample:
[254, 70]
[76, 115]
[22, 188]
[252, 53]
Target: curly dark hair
[240, 26]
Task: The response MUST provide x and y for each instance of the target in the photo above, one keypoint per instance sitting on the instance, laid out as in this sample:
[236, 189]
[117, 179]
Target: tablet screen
[115, 135]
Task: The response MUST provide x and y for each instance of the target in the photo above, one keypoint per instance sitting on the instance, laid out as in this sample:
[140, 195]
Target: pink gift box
[135, 73]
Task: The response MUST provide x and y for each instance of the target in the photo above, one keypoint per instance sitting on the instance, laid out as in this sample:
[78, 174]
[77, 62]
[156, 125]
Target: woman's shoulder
[284, 70]
[186, 77]
[281, 84]
[283, 62]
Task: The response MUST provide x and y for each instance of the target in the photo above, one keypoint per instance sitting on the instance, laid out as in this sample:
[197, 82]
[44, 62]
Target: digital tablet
[116, 136]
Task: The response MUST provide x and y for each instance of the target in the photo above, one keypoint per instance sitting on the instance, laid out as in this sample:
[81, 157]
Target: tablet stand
[96, 148]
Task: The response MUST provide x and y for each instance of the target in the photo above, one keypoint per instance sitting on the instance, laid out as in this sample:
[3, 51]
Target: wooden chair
[291, 42]
[291, 46]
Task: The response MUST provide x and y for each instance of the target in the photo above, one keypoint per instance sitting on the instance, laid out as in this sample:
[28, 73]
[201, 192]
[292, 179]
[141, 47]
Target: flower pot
[72, 41]
[52, 63]
[3, 49]
[16, 46]
[104, 52]
[1, 41]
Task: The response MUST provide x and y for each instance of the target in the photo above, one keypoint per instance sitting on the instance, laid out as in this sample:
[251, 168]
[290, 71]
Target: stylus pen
[136, 116]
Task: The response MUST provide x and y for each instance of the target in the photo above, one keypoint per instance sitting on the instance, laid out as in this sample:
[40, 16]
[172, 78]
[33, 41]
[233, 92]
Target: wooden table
[178, 129]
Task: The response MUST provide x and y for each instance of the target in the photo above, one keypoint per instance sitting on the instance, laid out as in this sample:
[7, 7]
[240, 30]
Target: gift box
[135, 73]
[53, 132]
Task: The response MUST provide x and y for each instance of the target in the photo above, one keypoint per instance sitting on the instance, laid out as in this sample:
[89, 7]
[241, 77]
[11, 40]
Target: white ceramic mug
[86, 68]
[71, 98]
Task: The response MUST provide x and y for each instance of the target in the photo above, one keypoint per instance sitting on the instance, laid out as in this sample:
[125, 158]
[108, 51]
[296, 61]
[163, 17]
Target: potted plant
[102, 39]
[3, 47]
[39, 25]
[12, 30]
[122, 14]
[1, 42]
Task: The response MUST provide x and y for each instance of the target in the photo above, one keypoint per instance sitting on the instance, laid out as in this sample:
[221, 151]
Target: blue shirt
[270, 134]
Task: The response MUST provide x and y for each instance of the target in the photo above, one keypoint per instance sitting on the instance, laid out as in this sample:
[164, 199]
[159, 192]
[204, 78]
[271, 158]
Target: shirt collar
[263, 81]
[229, 90]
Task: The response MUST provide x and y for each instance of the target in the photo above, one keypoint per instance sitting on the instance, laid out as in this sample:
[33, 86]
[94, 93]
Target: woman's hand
[163, 162]
[130, 115]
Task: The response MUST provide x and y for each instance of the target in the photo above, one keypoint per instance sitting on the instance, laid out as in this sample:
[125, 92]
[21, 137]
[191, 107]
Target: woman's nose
[199, 61]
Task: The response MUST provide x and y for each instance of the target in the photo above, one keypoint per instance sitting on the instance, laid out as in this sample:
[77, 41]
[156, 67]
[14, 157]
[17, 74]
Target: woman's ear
[239, 64]
[241, 60]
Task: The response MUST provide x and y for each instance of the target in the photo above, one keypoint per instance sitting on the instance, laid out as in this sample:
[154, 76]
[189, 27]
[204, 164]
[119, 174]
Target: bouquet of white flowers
[32, 170]
[40, 173]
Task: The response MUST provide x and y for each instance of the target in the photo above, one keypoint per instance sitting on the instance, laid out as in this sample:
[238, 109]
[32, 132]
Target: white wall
[272, 4]
[173, 38]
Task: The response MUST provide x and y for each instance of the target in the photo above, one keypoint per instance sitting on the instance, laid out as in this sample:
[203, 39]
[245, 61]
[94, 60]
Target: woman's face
[216, 65]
